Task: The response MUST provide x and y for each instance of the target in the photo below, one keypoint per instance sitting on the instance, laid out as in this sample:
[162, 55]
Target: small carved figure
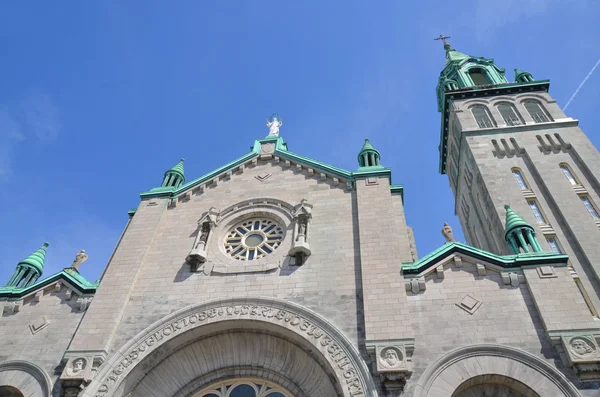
[204, 231]
[447, 233]
[581, 347]
[274, 125]
[79, 259]
[302, 228]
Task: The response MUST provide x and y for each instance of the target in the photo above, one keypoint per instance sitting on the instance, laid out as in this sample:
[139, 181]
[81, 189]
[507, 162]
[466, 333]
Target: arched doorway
[493, 385]
[267, 339]
[10, 391]
[23, 378]
[502, 370]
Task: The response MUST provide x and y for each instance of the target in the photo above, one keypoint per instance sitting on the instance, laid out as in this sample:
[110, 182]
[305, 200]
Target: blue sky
[98, 99]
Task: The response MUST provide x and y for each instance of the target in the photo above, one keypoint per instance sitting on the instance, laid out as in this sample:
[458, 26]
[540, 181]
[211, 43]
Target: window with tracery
[253, 239]
[244, 388]
[535, 110]
[482, 117]
[509, 114]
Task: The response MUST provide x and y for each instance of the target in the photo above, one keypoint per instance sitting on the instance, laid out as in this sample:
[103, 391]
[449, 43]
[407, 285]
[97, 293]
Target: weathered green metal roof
[177, 169]
[513, 221]
[505, 261]
[36, 259]
[367, 147]
[80, 283]
[281, 150]
[454, 56]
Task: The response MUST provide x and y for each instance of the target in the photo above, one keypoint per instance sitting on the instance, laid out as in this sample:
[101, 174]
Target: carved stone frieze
[79, 371]
[315, 331]
[392, 363]
[415, 285]
[581, 352]
[513, 279]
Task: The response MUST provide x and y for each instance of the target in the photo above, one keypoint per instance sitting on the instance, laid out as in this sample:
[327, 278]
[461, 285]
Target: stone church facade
[277, 275]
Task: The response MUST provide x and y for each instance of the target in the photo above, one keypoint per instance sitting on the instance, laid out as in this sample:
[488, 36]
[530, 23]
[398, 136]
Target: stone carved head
[391, 358]
[581, 346]
[78, 365]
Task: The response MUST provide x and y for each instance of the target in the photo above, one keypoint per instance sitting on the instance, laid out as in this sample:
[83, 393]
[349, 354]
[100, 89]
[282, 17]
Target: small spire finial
[443, 38]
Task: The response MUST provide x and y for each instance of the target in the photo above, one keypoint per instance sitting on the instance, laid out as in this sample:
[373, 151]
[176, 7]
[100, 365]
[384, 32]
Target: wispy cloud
[491, 15]
[10, 137]
[581, 85]
[34, 119]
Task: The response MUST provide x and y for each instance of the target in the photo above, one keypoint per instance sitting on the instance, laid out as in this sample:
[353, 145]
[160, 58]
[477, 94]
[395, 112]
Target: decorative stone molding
[469, 304]
[262, 176]
[38, 325]
[580, 351]
[38, 296]
[392, 362]
[12, 307]
[481, 270]
[29, 378]
[512, 278]
[79, 371]
[340, 354]
[546, 272]
[439, 272]
[206, 225]
[83, 303]
[415, 285]
[300, 244]
[458, 261]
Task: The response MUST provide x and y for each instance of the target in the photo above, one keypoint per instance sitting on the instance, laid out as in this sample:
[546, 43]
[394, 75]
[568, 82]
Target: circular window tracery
[253, 238]
[244, 388]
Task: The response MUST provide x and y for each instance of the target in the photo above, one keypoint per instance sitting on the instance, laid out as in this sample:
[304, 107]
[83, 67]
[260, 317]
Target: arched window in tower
[519, 178]
[509, 114]
[567, 171]
[478, 77]
[535, 111]
[590, 206]
[482, 116]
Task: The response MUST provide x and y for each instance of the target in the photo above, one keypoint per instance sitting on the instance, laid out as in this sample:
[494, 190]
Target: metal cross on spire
[443, 38]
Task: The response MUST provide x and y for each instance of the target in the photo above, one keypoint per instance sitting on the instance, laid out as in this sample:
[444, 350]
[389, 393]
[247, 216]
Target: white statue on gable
[274, 122]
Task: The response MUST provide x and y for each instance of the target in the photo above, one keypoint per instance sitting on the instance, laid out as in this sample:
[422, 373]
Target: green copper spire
[522, 76]
[465, 71]
[368, 156]
[175, 176]
[519, 234]
[29, 269]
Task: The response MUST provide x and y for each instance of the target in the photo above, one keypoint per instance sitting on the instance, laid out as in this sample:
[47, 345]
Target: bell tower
[509, 143]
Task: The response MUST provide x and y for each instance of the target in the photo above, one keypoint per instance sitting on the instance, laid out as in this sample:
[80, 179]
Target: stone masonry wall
[47, 345]
[507, 316]
[326, 283]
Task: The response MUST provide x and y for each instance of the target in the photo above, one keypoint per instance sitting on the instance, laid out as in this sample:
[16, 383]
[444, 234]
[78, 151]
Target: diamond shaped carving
[38, 325]
[469, 304]
[263, 176]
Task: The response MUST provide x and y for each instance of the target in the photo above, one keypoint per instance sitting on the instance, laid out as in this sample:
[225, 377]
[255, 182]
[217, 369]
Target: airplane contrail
[582, 83]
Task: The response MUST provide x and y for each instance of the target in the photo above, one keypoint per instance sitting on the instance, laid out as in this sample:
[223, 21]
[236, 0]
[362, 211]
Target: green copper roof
[177, 169]
[367, 147]
[513, 221]
[454, 56]
[76, 280]
[36, 259]
[504, 261]
[281, 151]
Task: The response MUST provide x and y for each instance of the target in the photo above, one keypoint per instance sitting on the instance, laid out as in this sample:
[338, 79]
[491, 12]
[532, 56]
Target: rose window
[253, 239]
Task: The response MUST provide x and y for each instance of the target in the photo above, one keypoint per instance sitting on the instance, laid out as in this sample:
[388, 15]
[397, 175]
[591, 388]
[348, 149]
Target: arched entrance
[266, 339]
[10, 391]
[501, 370]
[493, 386]
[22, 378]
